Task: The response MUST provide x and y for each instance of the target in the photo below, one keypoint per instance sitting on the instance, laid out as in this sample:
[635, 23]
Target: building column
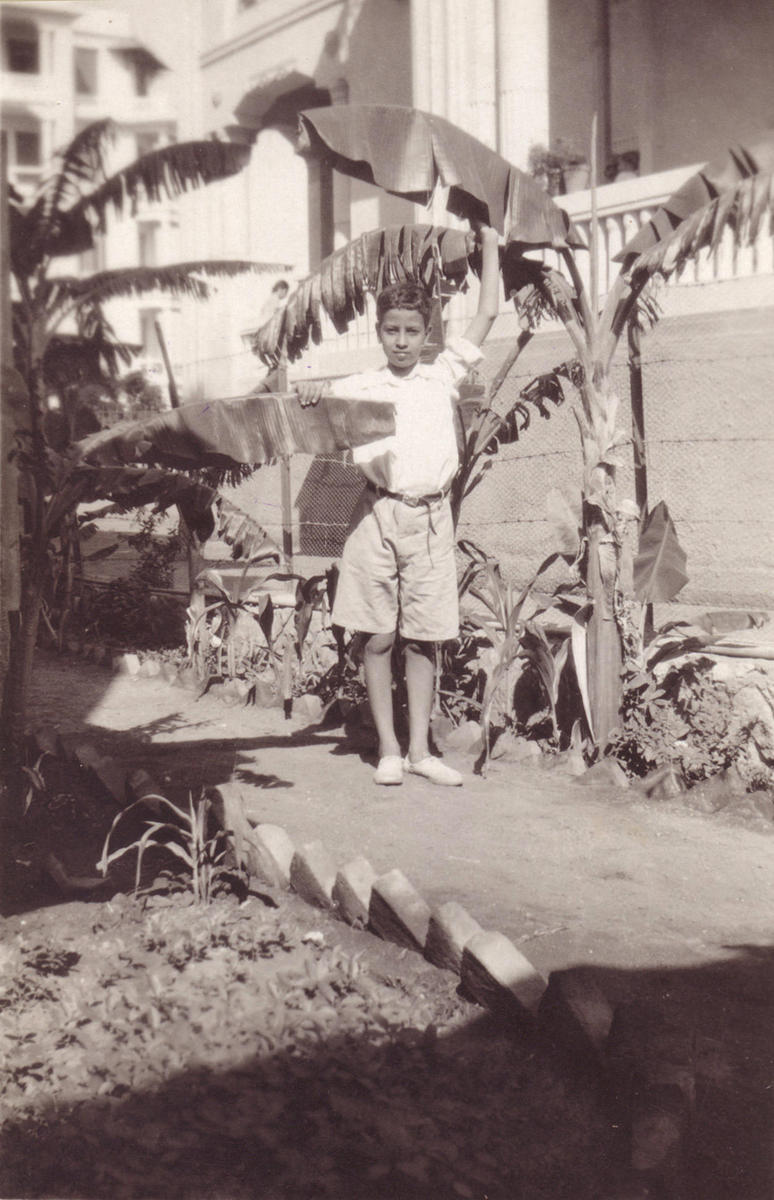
[521, 36]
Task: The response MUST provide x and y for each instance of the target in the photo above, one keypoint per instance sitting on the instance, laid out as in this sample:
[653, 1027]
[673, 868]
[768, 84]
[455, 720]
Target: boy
[398, 571]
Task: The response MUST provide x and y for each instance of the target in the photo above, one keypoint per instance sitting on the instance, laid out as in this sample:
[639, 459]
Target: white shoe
[434, 770]
[389, 770]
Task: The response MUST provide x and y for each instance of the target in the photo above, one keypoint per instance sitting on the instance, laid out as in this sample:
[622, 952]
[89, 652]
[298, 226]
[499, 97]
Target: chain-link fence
[709, 440]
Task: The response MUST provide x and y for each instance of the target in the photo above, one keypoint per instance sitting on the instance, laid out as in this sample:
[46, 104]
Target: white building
[672, 85]
[66, 65]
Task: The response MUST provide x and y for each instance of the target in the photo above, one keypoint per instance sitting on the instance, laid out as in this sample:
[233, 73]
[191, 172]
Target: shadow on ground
[501, 1116]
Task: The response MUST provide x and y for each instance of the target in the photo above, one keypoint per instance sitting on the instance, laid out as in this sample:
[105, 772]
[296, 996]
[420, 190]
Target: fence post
[638, 421]
[286, 498]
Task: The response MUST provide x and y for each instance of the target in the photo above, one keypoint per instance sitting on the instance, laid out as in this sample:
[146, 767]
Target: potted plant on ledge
[559, 168]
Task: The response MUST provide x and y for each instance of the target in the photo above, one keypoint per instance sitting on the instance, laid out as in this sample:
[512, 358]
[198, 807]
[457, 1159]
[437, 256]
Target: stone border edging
[651, 1095]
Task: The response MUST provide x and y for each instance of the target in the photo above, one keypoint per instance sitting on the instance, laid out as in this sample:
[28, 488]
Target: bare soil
[665, 903]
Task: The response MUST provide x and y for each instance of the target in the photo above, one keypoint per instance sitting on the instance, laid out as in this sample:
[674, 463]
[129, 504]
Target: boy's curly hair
[404, 295]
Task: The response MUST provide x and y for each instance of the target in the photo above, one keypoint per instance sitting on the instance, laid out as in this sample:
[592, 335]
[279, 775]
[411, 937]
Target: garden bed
[262, 1049]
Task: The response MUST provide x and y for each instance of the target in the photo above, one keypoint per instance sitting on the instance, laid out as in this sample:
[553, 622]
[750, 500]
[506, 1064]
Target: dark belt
[412, 501]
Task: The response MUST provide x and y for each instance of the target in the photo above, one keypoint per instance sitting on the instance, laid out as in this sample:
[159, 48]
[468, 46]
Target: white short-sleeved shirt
[421, 457]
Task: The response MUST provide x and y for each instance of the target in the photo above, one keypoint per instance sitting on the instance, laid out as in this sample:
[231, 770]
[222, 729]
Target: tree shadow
[364, 1117]
[488, 1112]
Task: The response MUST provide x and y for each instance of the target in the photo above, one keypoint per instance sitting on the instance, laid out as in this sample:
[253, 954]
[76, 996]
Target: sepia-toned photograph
[387, 581]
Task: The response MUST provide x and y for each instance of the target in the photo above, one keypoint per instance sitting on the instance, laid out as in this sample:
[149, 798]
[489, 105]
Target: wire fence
[709, 428]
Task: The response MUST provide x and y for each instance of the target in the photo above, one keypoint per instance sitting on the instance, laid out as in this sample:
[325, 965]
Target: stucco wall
[709, 425]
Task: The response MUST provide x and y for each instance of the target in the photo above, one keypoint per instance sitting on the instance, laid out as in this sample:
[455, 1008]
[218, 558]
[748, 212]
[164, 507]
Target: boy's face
[402, 333]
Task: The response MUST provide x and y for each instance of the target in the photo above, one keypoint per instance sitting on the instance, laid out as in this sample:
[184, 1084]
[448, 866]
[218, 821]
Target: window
[148, 336]
[142, 77]
[27, 148]
[147, 143]
[21, 48]
[148, 243]
[85, 71]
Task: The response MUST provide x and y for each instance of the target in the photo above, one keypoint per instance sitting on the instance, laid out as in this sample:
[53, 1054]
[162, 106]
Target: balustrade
[622, 209]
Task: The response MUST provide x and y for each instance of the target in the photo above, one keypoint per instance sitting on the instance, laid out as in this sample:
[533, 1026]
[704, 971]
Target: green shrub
[686, 718]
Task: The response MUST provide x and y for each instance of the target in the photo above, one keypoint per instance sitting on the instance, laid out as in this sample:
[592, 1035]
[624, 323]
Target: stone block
[313, 874]
[308, 706]
[150, 668]
[664, 783]
[352, 890]
[498, 976]
[228, 808]
[576, 1015]
[266, 694]
[451, 928]
[605, 773]
[510, 748]
[85, 754]
[187, 678]
[169, 672]
[141, 786]
[397, 912]
[126, 664]
[567, 762]
[466, 738]
[112, 776]
[277, 852]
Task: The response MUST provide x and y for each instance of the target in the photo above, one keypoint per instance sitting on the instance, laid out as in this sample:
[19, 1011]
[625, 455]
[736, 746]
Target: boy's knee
[423, 649]
[379, 643]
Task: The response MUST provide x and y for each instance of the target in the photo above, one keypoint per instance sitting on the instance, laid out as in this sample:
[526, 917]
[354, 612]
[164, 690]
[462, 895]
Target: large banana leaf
[410, 153]
[342, 281]
[659, 567]
[718, 177]
[742, 209]
[252, 430]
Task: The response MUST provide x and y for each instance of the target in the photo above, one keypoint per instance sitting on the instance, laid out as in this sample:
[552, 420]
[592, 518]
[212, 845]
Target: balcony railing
[622, 208]
[625, 206]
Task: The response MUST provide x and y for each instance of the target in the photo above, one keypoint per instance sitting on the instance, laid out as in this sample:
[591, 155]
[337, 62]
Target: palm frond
[366, 265]
[178, 279]
[238, 529]
[742, 209]
[128, 488]
[164, 173]
[50, 227]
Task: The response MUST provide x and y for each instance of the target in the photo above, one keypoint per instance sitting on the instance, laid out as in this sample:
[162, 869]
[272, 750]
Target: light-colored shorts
[398, 570]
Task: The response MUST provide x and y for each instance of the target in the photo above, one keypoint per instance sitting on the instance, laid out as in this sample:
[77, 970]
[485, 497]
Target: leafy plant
[685, 719]
[186, 837]
[65, 218]
[498, 618]
[243, 632]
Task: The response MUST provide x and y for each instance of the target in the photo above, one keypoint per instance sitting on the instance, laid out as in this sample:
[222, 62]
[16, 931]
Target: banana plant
[410, 154]
[64, 218]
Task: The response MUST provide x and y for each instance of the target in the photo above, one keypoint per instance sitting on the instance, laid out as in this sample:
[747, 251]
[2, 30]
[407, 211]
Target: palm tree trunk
[24, 638]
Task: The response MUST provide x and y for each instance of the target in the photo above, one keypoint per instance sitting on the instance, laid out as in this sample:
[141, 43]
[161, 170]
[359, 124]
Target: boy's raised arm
[489, 295]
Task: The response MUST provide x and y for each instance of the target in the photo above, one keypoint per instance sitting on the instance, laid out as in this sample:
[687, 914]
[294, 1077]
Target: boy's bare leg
[420, 682]
[377, 668]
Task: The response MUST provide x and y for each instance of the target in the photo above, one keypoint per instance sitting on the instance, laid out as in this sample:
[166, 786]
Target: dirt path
[582, 875]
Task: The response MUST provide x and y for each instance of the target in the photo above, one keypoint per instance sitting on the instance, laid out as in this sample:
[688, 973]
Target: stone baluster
[725, 264]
